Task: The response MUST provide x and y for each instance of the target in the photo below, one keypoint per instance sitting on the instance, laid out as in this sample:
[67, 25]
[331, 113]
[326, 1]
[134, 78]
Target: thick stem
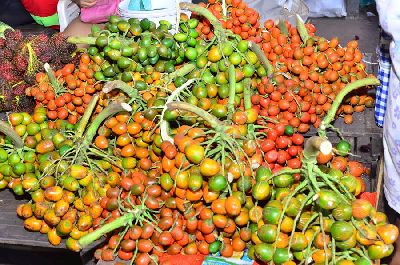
[164, 125]
[333, 246]
[362, 253]
[110, 110]
[301, 28]
[212, 120]
[282, 27]
[53, 80]
[184, 70]
[4, 27]
[328, 181]
[370, 81]
[306, 225]
[283, 171]
[232, 91]
[311, 176]
[321, 223]
[127, 89]
[290, 196]
[218, 29]
[88, 239]
[261, 56]
[82, 40]
[296, 219]
[247, 94]
[86, 116]
[314, 145]
[9, 131]
[224, 8]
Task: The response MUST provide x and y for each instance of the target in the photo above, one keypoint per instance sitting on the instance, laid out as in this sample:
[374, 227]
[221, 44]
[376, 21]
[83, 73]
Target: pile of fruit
[193, 143]
[23, 57]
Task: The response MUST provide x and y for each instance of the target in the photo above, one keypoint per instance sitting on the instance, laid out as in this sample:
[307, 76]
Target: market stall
[216, 137]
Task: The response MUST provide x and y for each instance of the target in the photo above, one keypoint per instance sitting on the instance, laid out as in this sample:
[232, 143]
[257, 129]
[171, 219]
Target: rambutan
[5, 96]
[23, 103]
[13, 38]
[7, 71]
[20, 62]
[2, 43]
[19, 89]
[6, 53]
[58, 39]
[46, 57]
[30, 78]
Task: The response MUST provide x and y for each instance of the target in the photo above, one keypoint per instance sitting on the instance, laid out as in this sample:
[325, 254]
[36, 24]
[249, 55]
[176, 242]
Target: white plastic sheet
[326, 8]
[279, 9]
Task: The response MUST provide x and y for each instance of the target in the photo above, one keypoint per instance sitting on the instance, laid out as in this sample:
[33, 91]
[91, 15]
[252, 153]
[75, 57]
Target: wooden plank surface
[19, 246]
[12, 229]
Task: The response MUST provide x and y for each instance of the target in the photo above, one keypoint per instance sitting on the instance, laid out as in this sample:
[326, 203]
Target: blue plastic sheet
[138, 5]
[237, 259]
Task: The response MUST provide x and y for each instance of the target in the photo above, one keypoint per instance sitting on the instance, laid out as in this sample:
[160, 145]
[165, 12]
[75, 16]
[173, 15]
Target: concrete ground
[363, 27]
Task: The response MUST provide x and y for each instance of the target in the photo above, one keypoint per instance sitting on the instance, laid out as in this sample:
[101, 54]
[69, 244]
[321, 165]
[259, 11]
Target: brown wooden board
[363, 134]
[19, 246]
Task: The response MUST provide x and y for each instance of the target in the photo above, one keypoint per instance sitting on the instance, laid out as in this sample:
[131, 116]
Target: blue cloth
[389, 18]
[137, 5]
[383, 76]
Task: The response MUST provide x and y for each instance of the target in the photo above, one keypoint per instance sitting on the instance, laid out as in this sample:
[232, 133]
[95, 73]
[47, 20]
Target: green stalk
[301, 28]
[333, 246]
[214, 122]
[314, 145]
[87, 115]
[127, 89]
[311, 176]
[247, 94]
[247, 105]
[164, 125]
[289, 197]
[361, 254]
[4, 27]
[284, 171]
[321, 223]
[110, 110]
[261, 56]
[184, 70]
[370, 81]
[296, 219]
[82, 40]
[9, 131]
[218, 29]
[326, 179]
[282, 27]
[224, 8]
[315, 215]
[88, 239]
[53, 80]
[232, 91]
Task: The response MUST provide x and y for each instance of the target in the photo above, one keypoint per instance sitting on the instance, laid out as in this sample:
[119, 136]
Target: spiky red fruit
[7, 71]
[20, 62]
[2, 43]
[13, 38]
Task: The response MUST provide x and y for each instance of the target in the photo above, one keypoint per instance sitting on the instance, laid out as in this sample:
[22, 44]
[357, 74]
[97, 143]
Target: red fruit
[267, 145]
[369, 196]
[60, 101]
[282, 142]
[294, 163]
[271, 156]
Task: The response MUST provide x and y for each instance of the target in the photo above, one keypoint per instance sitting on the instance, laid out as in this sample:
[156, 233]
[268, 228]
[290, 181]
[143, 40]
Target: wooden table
[19, 246]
